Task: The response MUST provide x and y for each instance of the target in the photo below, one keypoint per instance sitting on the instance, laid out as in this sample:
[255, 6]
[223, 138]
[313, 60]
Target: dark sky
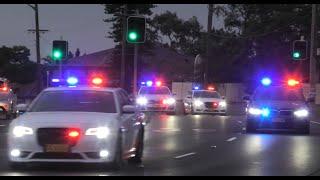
[81, 24]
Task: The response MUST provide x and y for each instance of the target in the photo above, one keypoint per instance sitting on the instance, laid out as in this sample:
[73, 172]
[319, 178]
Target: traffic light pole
[123, 46]
[312, 67]
[135, 70]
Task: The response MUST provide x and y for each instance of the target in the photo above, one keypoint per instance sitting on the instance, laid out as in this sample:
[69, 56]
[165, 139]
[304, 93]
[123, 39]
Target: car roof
[82, 88]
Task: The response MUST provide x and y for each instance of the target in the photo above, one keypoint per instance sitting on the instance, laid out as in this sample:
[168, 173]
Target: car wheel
[305, 130]
[117, 163]
[250, 127]
[139, 151]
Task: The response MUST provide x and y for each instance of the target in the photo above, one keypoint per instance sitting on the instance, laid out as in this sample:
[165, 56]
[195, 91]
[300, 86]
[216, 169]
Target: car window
[278, 94]
[155, 90]
[206, 94]
[75, 100]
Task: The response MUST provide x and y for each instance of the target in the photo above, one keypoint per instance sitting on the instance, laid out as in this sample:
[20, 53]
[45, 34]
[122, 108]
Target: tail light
[73, 134]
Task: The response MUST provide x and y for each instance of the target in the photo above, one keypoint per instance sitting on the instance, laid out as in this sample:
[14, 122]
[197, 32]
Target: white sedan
[205, 102]
[77, 124]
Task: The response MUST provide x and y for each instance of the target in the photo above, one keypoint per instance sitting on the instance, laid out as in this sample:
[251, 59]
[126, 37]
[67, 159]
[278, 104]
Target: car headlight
[100, 132]
[301, 113]
[198, 103]
[142, 101]
[169, 101]
[20, 131]
[255, 111]
[223, 104]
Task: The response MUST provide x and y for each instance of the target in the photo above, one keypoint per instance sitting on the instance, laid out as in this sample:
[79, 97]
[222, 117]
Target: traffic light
[59, 50]
[136, 29]
[300, 50]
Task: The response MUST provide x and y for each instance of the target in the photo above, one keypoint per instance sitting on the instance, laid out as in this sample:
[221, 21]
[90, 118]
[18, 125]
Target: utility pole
[37, 31]
[209, 29]
[123, 46]
[313, 69]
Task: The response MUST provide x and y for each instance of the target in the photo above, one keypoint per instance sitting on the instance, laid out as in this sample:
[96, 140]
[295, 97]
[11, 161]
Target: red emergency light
[73, 134]
[97, 81]
[211, 88]
[158, 83]
[292, 82]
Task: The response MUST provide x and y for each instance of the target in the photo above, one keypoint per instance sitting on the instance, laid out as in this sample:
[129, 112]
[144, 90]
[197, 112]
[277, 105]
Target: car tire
[139, 151]
[305, 130]
[117, 162]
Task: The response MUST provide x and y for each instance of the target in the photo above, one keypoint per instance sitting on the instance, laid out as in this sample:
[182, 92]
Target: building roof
[100, 59]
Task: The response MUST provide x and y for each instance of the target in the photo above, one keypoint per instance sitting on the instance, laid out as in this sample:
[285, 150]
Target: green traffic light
[57, 54]
[296, 55]
[133, 36]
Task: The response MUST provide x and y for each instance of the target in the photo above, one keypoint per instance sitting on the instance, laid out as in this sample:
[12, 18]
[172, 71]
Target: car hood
[156, 97]
[208, 99]
[80, 120]
[279, 104]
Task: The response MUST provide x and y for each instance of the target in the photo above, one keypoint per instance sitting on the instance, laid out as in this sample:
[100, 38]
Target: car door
[128, 122]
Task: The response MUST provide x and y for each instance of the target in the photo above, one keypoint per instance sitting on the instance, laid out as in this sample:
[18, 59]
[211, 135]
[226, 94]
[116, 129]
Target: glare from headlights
[198, 103]
[255, 111]
[99, 132]
[15, 153]
[301, 113]
[169, 101]
[223, 104]
[20, 131]
[142, 101]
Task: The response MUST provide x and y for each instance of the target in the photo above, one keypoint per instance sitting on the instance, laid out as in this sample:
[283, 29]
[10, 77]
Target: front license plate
[57, 148]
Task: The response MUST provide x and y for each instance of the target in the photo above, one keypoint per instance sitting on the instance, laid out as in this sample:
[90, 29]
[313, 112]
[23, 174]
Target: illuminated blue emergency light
[55, 80]
[265, 112]
[149, 83]
[196, 87]
[72, 81]
[143, 83]
[266, 81]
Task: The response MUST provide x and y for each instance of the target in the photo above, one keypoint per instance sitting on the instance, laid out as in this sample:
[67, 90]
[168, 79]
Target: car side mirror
[21, 108]
[223, 97]
[188, 96]
[128, 109]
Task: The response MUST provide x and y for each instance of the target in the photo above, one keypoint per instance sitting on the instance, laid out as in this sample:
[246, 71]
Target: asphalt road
[203, 145]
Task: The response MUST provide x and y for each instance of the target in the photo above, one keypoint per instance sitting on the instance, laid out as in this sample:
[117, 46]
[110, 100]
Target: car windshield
[75, 100]
[206, 94]
[155, 90]
[278, 94]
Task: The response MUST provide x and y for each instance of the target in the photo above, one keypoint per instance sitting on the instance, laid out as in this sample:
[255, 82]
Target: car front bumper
[157, 108]
[86, 150]
[278, 122]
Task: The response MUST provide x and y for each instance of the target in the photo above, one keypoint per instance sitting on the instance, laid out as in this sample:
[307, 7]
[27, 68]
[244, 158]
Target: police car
[82, 124]
[278, 106]
[205, 101]
[156, 97]
[8, 100]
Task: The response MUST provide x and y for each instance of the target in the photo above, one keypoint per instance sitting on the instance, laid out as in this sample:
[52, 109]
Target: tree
[16, 65]
[184, 36]
[77, 54]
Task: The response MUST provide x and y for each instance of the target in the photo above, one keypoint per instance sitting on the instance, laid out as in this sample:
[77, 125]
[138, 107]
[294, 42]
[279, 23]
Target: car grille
[154, 102]
[281, 113]
[211, 105]
[54, 136]
[57, 156]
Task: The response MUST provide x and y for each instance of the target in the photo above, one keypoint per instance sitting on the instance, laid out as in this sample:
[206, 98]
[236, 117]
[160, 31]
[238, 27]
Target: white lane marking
[185, 155]
[213, 146]
[166, 130]
[231, 139]
[315, 122]
[2, 125]
[205, 130]
[240, 122]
